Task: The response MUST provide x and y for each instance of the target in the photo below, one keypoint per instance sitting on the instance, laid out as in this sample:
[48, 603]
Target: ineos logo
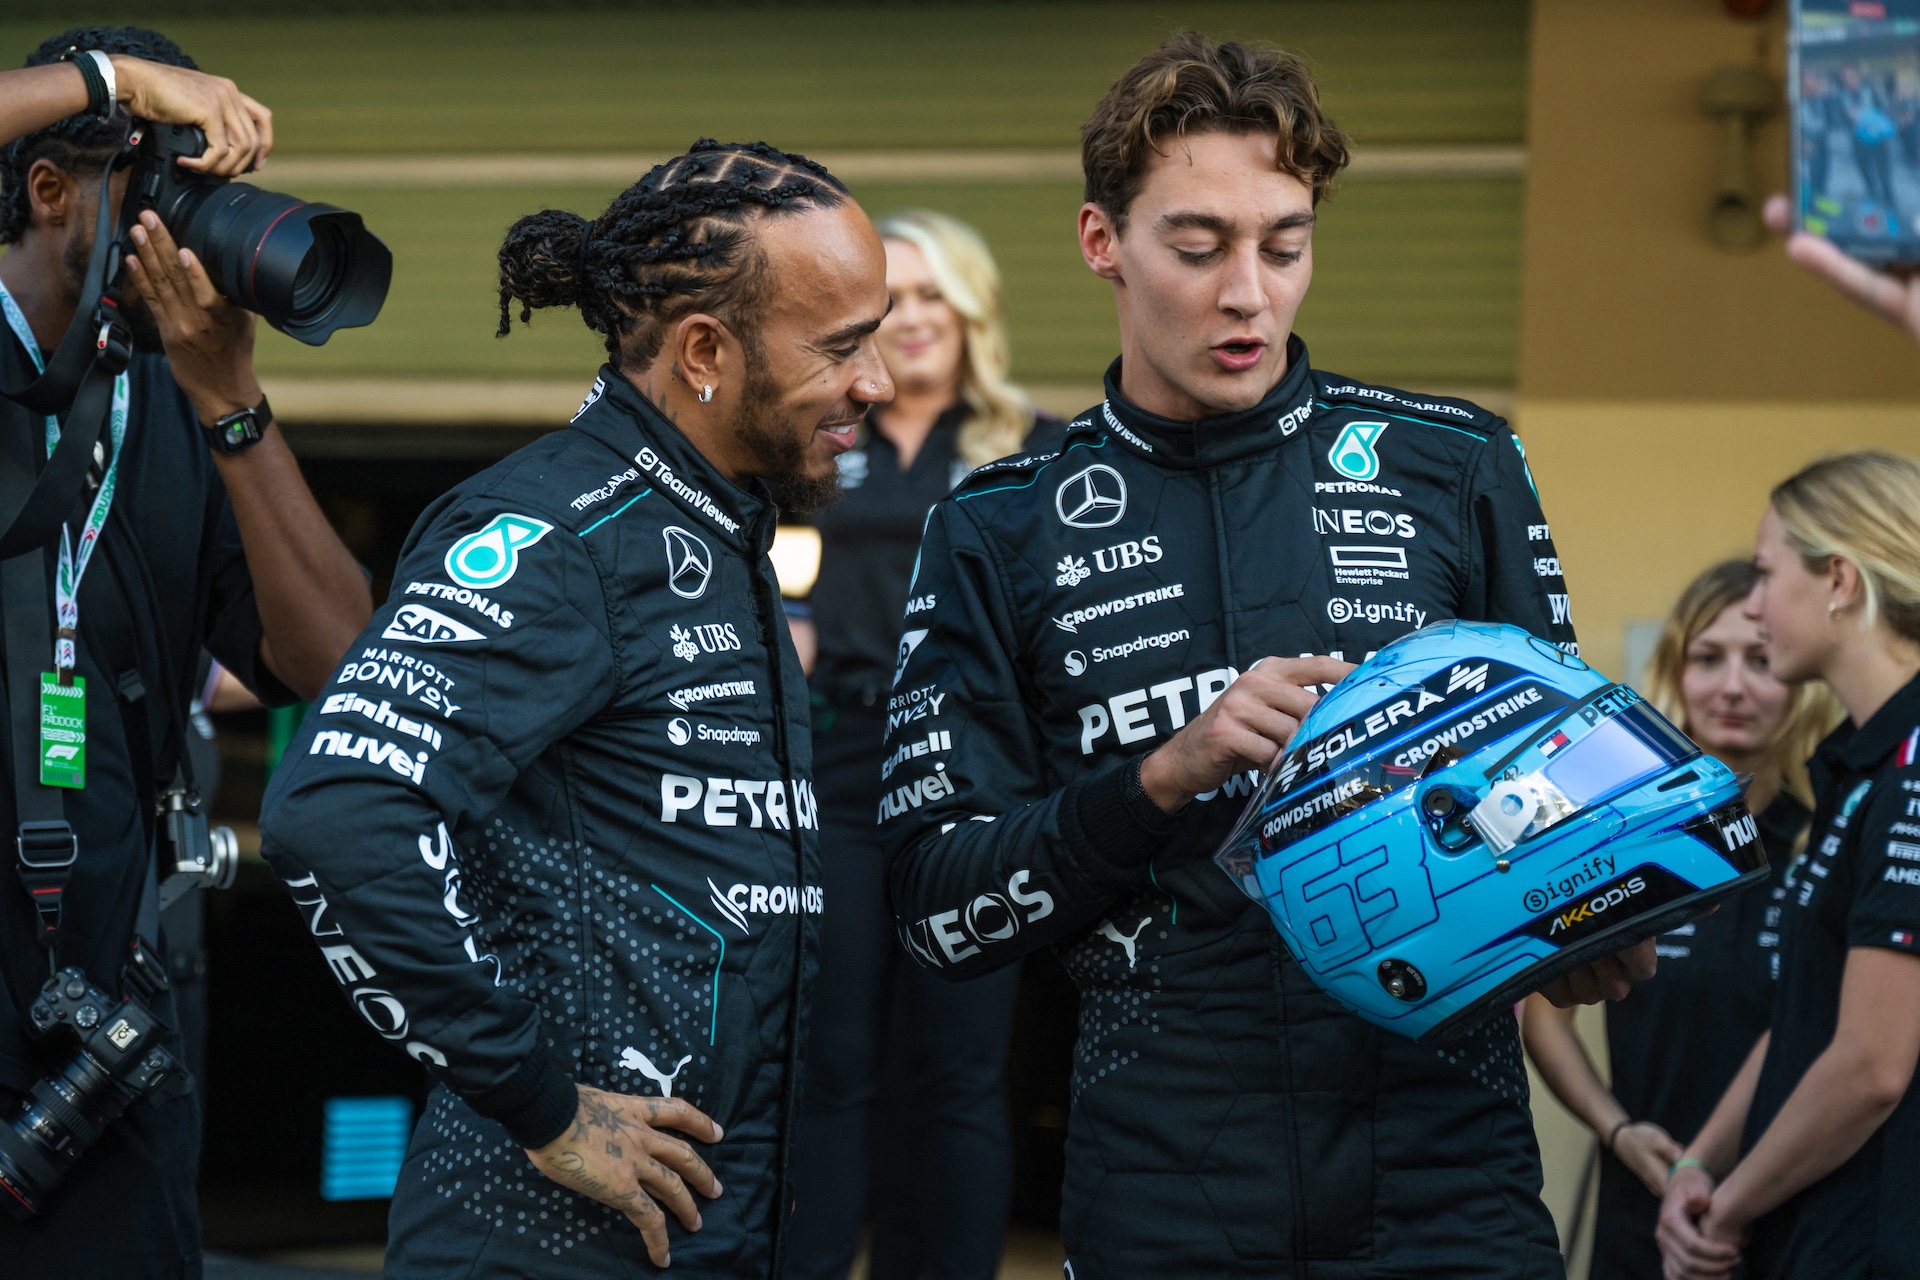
[1093, 499]
[689, 562]
[679, 732]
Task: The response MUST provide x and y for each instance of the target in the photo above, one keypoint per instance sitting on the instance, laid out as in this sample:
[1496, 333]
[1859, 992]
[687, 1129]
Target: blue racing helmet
[1472, 813]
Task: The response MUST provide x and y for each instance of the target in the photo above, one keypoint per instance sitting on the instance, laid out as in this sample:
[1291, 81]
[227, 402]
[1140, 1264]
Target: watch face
[238, 432]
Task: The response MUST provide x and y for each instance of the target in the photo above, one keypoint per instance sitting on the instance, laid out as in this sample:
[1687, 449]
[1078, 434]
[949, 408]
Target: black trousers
[903, 1104]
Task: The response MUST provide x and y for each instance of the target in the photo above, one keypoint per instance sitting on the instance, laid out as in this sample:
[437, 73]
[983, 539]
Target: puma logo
[1124, 939]
[634, 1060]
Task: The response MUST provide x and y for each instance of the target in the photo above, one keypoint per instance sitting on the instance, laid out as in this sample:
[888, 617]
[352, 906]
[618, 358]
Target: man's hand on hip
[616, 1152]
[1245, 728]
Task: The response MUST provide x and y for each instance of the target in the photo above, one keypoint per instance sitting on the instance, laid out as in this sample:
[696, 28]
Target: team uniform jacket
[552, 822]
[1075, 607]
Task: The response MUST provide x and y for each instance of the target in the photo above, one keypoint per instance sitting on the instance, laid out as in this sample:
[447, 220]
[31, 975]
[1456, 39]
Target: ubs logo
[1093, 499]
[689, 562]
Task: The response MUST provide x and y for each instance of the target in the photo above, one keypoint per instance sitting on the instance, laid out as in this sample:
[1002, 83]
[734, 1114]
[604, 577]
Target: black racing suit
[552, 823]
[1085, 603]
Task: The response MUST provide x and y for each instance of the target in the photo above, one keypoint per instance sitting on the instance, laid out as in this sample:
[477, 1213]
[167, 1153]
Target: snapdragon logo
[1140, 644]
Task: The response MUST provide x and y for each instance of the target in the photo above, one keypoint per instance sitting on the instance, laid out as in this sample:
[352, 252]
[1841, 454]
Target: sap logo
[1547, 567]
[332, 742]
[919, 604]
[461, 595]
[1091, 499]
[908, 643]
[1561, 606]
[937, 741]
[713, 637]
[1130, 718]
[488, 557]
[1597, 904]
[1075, 662]
[952, 936]
[918, 704]
[1353, 454]
[679, 794]
[689, 562]
[684, 698]
[935, 786]
[744, 900]
[383, 715]
[1352, 521]
[421, 625]
[1127, 555]
[1539, 533]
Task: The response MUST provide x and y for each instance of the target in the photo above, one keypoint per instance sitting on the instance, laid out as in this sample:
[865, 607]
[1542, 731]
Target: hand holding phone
[1893, 293]
[1855, 88]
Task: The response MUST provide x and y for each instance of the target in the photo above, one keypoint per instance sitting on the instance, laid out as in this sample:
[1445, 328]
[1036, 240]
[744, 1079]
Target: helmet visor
[1588, 757]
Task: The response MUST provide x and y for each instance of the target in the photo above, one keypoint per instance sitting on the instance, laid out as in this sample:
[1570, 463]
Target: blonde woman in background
[945, 346]
[1809, 1159]
[1677, 1039]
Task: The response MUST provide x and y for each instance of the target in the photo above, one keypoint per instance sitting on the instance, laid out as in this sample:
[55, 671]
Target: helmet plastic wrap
[1472, 813]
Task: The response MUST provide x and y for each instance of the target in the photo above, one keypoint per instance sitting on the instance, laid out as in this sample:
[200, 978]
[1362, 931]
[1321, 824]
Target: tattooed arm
[616, 1153]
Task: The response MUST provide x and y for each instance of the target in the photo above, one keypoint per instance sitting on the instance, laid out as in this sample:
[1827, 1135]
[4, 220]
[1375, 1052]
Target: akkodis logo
[1353, 454]
[489, 557]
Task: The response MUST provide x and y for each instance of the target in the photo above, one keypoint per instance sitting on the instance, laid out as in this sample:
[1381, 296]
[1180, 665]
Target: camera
[119, 1061]
[308, 269]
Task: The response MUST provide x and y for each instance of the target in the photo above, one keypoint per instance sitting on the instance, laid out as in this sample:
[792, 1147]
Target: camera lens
[308, 269]
[64, 1115]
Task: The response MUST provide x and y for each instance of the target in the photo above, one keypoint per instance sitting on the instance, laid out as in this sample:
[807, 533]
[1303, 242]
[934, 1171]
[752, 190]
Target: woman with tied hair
[1677, 1039]
[1806, 1167]
[945, 346]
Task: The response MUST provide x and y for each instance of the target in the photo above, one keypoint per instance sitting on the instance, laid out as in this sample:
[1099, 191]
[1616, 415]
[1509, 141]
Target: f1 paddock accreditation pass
[1089, 601]
[552, 823]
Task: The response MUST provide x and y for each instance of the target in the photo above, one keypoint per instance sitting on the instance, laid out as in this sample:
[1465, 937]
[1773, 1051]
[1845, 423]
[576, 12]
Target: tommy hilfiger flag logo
[1909, 749]
[1901, 939]
[1553, 744]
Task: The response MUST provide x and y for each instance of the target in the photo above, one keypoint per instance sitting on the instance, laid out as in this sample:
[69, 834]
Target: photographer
[175, 543]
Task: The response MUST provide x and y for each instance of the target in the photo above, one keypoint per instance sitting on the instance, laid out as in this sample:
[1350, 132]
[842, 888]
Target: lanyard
[73, 563]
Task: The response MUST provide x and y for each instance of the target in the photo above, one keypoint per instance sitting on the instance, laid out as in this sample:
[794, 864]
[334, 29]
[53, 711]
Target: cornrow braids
[81, 144]
[678, 240]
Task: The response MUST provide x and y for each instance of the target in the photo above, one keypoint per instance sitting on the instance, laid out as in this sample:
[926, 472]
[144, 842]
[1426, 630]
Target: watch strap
[241, 430]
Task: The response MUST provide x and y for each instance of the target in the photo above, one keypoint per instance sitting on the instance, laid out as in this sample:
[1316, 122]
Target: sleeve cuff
[1115, 827]
[535, 1104]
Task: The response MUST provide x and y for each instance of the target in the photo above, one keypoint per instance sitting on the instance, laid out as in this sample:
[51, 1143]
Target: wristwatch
[237, 432]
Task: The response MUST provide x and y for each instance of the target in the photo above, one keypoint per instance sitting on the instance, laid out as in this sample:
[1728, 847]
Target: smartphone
[1854, 83]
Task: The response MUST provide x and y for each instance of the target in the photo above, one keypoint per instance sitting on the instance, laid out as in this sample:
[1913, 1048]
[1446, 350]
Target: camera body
[308, 269]
[118, 1061]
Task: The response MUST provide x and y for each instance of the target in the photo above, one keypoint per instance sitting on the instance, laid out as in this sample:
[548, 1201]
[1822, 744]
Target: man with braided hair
[551, 824]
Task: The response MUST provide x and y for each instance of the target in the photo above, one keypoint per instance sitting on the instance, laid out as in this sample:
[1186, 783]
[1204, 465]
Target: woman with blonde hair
[1808, 1159]
[945, 346]
[1677, 1039]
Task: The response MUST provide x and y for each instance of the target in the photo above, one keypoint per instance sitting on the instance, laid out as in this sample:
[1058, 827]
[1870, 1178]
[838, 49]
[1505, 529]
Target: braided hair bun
[678, 240]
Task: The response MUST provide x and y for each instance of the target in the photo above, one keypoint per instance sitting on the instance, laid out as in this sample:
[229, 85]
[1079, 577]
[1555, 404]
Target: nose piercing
[706, 392]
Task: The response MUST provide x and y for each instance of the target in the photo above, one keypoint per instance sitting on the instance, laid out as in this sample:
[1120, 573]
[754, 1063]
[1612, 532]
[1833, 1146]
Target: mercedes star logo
[689, 563]
[1093, 499]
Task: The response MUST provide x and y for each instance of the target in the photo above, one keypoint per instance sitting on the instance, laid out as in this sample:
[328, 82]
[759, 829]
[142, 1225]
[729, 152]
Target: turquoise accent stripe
[611, 514]
[1034, 478]
[713, 1023]
[1425, 422]
[1170, 898]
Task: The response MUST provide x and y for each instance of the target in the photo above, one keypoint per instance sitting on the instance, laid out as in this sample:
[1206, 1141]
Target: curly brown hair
[1189, 85]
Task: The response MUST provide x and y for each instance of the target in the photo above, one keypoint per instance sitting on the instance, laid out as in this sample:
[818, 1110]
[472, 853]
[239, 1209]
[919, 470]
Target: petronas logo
[1352, 454]
[489, 557]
